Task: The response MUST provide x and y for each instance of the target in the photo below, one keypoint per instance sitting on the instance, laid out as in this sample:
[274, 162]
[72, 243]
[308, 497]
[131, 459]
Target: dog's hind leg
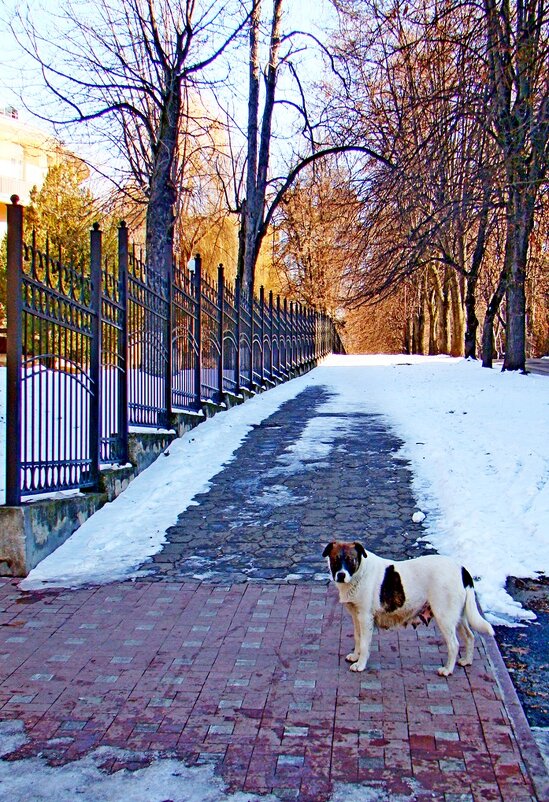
[468, 638]
[448, 632]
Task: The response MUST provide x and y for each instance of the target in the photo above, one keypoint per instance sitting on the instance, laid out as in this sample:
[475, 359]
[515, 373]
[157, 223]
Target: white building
[25, 154]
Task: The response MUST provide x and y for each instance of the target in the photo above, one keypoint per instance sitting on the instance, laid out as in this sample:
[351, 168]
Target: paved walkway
[230, 650]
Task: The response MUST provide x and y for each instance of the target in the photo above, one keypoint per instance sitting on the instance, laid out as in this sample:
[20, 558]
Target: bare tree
[258, 196]
[127, 68]
[317, 226]
[258, 145]
[517, 38]
[414, 90]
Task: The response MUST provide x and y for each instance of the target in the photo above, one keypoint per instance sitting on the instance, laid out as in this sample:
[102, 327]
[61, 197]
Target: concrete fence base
[30, 532]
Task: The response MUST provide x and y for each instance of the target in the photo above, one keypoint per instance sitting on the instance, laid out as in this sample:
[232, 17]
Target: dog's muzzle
[342, 576]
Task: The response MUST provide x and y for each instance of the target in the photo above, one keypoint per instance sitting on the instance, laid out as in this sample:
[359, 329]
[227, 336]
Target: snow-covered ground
[33, 780]
[477, 441]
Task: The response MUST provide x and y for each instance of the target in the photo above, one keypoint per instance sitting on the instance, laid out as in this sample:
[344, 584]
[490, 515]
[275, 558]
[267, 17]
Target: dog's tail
[473, 616]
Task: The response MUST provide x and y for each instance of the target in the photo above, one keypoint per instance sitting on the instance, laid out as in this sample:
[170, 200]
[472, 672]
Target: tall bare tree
[517, 37]
[263, 192]
[258, 140]
[127, 68]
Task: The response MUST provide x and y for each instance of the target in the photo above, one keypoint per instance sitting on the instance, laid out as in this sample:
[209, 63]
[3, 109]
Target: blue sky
[18, 74]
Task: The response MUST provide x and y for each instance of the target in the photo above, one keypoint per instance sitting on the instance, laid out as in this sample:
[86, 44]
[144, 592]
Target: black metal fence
[96, 348]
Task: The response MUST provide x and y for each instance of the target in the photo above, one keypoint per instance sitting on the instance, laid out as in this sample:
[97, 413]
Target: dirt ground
[525, 649]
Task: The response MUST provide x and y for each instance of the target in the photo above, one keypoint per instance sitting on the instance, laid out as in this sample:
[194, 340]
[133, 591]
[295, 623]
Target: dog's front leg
[366, 631]
[352, 657]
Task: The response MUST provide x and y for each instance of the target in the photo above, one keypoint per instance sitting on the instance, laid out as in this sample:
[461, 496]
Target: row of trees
[416, 171]
[457, 97]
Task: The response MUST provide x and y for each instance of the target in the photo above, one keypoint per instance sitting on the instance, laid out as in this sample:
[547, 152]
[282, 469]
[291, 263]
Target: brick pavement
[249, 675]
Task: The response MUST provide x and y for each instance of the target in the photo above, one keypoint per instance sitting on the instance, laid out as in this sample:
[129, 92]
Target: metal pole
[95, 354]
[262, 335]
[169, 345]
[198, 330]
[238, 301]
[123, 362]
[14, 352]
[271, 333]
[252, 327]
[285, 307]
[221, 303]
[292, 336]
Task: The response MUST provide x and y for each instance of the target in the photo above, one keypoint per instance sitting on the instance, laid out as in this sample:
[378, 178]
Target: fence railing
[93, 349]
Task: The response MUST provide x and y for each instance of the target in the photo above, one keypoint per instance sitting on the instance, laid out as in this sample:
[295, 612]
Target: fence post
[123, 371]
[292, 336]
[95, 353]
[299, 330]
[168, 381]
[279, 345]
[198, 330]
[285, 329]
[14, 352]
[238, 301]
[308, 335]
[252, 327]
[271, 334]
[262, 334]
[221, 303]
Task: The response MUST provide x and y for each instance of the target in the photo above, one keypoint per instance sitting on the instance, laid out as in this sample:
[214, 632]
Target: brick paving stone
[236, 656]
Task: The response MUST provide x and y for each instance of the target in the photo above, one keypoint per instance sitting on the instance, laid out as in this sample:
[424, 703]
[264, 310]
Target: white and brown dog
[389, 594]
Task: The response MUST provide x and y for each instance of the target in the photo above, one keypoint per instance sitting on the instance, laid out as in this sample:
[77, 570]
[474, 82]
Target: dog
[387, 594]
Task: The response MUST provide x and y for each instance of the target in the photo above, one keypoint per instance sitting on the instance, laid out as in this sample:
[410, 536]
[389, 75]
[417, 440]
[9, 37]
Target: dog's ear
[360, 549]
[327, 550]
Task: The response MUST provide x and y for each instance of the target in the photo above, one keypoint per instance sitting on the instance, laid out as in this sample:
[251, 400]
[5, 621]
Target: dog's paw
[352, 657]
[358, 666]
[464, 662]
[444, 672]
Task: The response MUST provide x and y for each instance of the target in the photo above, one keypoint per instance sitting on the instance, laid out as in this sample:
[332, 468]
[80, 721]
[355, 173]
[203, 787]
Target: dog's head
[344, 559]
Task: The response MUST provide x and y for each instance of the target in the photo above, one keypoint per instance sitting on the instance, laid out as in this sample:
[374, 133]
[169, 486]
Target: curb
[529, 749]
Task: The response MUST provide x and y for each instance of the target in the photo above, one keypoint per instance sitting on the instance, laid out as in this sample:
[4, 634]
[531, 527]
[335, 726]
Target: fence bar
[95, 354]
[238, 302]
[168, 365]
[221, 303]
[250, 298]
[271, 335]
[198, 330]
[123, 379]
[262, 334]
[14, 352]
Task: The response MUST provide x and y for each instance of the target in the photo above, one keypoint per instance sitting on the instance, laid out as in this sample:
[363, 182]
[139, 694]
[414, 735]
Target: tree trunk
[252, 215]
[160, 219]
[446, 315]
[516, 52]
[519, 228]
[471, 320]
[457, 316]
[490, 316]
[435, 304]
[248, 211]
